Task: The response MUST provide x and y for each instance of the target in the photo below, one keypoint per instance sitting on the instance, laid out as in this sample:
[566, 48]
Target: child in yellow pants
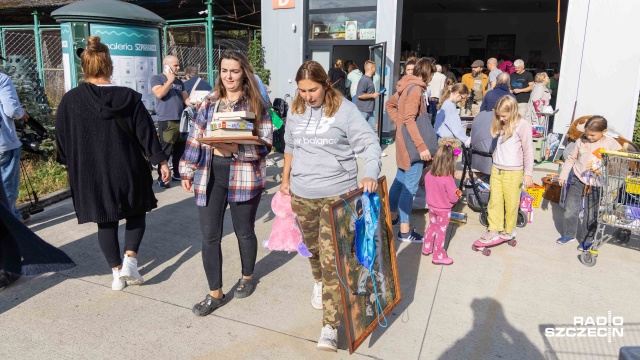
[512, 165]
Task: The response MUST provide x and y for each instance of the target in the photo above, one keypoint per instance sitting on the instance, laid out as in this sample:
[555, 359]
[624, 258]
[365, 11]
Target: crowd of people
[331, 121]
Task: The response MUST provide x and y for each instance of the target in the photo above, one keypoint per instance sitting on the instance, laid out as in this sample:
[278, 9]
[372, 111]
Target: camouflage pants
[313, 216]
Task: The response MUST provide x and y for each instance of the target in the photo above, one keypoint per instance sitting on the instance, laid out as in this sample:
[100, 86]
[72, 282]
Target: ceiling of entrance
[481, 5]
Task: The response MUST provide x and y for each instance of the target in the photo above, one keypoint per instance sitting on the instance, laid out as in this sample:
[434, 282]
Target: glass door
[377, 54]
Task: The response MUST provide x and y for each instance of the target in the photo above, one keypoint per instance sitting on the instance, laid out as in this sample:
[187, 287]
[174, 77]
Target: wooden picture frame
[359, 312]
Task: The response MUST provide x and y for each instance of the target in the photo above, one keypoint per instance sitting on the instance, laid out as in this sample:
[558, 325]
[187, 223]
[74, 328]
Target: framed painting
[363, 311]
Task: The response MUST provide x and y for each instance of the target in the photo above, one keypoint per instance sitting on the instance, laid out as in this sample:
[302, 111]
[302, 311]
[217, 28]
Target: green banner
[128, 41]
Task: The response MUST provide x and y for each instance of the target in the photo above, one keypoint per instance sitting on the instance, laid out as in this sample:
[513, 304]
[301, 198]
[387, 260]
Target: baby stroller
[477, 192]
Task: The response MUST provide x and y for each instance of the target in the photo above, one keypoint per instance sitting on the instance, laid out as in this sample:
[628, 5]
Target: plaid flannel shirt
[248, 168]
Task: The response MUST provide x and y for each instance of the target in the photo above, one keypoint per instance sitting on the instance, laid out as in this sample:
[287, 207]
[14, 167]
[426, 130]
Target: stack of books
[231, 124]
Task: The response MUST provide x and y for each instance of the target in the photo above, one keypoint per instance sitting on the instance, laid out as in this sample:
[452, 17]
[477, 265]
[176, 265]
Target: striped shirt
[247, 176]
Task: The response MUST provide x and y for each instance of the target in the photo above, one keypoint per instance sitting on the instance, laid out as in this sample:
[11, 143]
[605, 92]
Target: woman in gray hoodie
[323, 134]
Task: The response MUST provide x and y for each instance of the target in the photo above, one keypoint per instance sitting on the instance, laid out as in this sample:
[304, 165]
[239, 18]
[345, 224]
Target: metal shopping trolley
[619, 204]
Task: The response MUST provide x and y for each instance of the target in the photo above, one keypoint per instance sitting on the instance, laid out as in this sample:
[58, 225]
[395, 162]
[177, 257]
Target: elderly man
[477, 82]
[501, 89]
[492, 65]
[171, 96]
[521, 86]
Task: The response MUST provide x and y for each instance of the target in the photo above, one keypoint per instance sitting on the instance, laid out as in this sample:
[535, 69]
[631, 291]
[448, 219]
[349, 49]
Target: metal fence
[41, 86]
[188, 42]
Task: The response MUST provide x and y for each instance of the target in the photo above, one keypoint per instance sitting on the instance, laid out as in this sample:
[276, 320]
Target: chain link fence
[185, 41]
[19, 48]
[189, 44]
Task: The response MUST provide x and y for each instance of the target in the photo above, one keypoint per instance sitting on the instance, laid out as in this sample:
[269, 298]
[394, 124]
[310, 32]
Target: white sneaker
[129, 271]
[506, 236]
[117, 284]
[316, 297]
[384, 154]
[328, 339]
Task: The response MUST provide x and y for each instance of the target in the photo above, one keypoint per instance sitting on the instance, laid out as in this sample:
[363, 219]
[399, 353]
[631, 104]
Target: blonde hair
[540, 77]
[506, 104]
[459, 88]
[444, 162]
[312, 70]
[95, 60]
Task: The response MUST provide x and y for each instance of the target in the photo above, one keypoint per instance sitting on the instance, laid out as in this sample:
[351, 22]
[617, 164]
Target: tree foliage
[256, 57]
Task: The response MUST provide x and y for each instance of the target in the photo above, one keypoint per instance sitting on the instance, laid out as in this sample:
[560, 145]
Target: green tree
[256, 57]
[636, 130]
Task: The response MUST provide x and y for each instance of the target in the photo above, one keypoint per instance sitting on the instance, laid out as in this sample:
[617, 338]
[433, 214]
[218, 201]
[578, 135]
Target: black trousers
[108, 238]
[10, 259]
[178, 150]
[243, 215]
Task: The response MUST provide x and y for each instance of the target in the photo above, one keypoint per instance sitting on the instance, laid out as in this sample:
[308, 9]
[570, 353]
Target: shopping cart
[619, 201]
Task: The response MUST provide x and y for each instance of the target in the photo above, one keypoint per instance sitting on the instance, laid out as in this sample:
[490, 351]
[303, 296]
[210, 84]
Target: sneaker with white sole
[506, 236]
[489, 237]
[316, 298]
[411, 236]
[129, 271]
[328, 339]
[117, 284]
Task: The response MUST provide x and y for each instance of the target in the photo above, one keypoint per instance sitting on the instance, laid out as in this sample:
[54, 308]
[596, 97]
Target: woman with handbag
[106, 137]
[323, 133]
[418, 141]
[228, 174]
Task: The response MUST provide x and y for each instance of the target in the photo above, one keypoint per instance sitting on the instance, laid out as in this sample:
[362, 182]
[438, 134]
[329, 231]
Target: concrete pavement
[478, 308]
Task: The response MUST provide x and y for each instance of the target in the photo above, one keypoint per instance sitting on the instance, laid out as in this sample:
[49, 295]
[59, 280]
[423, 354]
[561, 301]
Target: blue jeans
[370, 119]
[403, 190]
[433, 110]
[10, 170]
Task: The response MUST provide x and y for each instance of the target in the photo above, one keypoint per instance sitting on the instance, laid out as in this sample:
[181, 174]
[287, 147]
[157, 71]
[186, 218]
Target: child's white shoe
[117, 284]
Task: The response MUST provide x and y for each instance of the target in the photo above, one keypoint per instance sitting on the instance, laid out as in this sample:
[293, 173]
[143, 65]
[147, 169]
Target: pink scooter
[484, 248]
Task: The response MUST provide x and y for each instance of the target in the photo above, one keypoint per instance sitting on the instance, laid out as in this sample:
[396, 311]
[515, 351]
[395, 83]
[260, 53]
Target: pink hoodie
[441, 191]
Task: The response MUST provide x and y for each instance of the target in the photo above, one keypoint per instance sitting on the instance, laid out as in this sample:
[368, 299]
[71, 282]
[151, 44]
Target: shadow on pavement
[172, 231]
[491, 336]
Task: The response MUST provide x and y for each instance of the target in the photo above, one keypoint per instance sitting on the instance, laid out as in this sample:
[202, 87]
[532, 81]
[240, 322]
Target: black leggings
[243, 215]
[108, 238]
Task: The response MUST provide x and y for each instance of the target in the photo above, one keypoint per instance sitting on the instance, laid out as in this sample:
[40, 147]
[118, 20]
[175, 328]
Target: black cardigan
[108, 176]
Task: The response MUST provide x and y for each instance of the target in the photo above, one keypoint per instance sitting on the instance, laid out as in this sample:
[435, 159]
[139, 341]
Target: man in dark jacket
[501, 89]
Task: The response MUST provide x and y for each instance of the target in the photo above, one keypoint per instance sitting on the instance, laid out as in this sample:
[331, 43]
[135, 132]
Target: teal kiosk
[131, 32]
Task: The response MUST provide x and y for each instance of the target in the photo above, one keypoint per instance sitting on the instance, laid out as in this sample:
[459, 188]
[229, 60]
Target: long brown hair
[312, 70]
[250, 90]
[444, 163]
[96, 60]
[506, 104]
[459, 88]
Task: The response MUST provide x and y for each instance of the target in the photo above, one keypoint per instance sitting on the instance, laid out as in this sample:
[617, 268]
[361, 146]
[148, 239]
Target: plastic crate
[536, 191]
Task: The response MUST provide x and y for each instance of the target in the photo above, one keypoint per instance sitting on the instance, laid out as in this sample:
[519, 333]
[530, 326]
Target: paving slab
[478, 308]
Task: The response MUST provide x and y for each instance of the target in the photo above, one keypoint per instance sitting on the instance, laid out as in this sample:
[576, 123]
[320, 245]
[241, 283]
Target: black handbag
[427, 132]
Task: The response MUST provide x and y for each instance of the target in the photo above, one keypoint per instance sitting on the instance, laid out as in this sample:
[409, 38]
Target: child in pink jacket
[442, 194]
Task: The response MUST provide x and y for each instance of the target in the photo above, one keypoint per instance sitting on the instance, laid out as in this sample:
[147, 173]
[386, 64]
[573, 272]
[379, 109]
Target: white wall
[600, 64]
[389, 23]
[446, 33]
[283, 46]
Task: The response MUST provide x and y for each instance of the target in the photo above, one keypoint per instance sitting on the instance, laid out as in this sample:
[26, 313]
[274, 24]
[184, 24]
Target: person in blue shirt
[448, 122]
[501, 89]
[10, 145]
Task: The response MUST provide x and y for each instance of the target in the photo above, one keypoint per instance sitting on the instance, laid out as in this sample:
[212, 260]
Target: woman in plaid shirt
[231, 174]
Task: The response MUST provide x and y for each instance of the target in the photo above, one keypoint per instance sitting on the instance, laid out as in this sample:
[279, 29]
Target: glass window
[343, 26]
[336, 4]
